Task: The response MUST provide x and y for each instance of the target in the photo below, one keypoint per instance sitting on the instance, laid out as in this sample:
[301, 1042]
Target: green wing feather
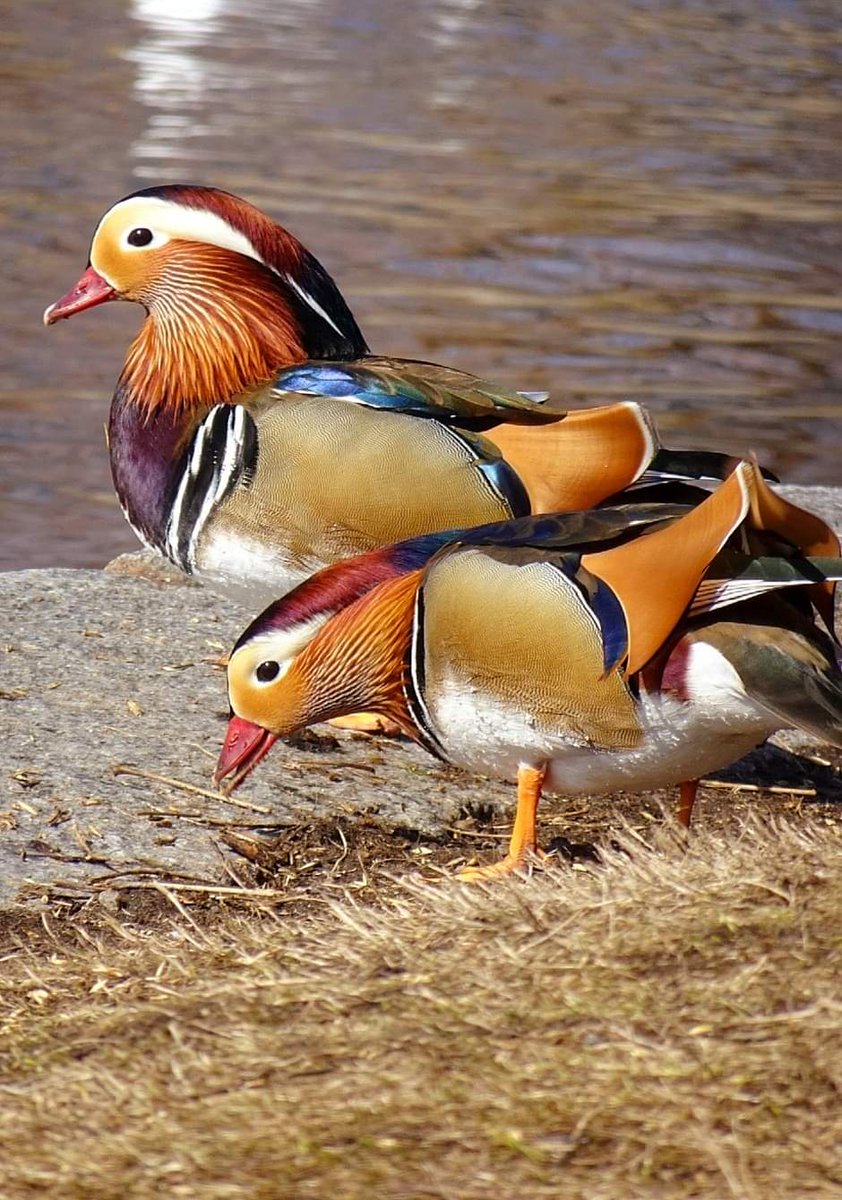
[417, 388]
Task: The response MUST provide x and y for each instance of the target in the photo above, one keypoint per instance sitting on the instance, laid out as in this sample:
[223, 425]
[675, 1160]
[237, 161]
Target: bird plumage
[328, 450]
[598, 665]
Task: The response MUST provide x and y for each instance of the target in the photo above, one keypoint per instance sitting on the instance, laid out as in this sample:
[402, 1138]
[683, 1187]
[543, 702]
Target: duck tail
[795, 675]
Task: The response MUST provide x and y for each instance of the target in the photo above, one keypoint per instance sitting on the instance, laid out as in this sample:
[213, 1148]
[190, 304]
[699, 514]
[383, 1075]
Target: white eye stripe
[156, 240]
[283, 646]
[283, 667]
[168, 220]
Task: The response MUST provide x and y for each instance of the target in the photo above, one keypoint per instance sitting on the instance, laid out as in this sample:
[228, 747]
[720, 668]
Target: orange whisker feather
[357, 661]
[206, 341]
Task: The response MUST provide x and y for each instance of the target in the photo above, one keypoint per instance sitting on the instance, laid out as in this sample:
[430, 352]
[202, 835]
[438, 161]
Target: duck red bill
[244, 746]
[88, 292]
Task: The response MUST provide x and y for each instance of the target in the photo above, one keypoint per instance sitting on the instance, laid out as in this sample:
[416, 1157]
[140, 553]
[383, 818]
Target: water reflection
[172, 74]
[450, 26]
[602, 200]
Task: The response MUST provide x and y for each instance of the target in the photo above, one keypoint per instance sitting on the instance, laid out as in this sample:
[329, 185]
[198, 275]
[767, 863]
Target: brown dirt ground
[302, 866]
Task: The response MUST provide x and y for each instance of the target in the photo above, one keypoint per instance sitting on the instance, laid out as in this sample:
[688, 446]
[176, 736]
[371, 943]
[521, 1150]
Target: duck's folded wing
[734, 578]
[502, 631]
[593, 455]
[789, 670]
[335, 479]
[417, 389]
[566, 460]
[581, 530]
[694, 464]
[656, 576]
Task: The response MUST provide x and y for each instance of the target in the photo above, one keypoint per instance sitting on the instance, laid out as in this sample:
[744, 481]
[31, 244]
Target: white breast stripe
[233, 441]
[414, 689]
[199, 443]
[224, 473]
[215, 463]
[308, 299]
[171, 537]
[174, 531]
[172, 220]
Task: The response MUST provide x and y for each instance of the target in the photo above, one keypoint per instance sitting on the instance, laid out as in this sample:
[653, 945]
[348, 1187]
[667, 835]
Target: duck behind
[254, 438]
[664, 653]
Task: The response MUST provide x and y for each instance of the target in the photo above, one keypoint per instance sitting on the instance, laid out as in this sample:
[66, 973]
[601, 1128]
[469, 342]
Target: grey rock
[827, 501]
[101, 670]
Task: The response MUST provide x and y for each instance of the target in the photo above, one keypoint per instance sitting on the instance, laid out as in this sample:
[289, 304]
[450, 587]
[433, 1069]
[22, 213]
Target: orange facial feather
[215, 329]
[355, 663]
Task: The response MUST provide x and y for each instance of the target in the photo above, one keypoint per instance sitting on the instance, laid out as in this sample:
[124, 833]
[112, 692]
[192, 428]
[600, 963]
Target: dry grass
[665, 1025]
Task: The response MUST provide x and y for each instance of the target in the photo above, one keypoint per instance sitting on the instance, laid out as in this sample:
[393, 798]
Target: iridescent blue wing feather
[417, 389]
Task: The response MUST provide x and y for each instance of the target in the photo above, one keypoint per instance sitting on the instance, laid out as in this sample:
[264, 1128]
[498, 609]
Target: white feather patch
[222, 474]
[167, 219]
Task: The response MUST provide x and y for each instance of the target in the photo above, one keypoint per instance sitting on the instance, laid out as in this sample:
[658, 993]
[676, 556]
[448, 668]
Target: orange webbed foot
[512, 864]
[523, 846]
[686, 799]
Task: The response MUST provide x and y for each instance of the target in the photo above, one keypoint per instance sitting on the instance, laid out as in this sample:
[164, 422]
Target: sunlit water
[603, 200]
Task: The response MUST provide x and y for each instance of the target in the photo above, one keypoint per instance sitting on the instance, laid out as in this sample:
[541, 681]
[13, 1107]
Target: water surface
[607, 200]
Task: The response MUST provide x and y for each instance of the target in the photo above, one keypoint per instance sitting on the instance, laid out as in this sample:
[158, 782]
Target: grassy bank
[666, 1025]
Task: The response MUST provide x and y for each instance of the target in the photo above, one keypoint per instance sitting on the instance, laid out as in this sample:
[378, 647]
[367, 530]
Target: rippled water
[611, 199]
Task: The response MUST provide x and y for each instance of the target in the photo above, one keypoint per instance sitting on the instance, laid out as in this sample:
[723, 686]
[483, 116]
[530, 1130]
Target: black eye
[140, 237]
[267, 671]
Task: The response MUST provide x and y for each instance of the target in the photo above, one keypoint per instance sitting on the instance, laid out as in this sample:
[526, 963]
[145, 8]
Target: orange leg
[524, 839]
[686, 800]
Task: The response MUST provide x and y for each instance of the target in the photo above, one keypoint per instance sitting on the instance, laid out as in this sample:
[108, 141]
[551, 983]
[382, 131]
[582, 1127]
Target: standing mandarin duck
[574, 659]
[254, 439]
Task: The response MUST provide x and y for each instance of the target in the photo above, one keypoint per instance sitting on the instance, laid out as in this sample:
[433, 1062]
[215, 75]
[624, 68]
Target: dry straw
[664, 1025]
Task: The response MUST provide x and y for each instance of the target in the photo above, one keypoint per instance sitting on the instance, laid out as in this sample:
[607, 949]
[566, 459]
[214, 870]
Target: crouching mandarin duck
[253, 437]
[620, 649]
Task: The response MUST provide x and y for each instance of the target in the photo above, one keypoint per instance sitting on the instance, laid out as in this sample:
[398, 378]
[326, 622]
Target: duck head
[230, 295]
[292, 671]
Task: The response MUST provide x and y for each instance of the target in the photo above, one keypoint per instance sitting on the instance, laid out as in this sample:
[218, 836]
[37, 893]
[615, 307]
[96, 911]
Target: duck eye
[267, 671]
[140, 237]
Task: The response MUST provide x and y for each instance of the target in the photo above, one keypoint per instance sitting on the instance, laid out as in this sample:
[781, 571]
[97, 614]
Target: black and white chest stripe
[415, 683]
[222, 453]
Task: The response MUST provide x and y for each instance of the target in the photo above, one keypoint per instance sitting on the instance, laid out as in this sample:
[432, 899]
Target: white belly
[248, 571]
[682, 739]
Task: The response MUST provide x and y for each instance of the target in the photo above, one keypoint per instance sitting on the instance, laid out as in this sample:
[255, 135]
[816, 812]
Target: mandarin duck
[578, 654]
[253, 437]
